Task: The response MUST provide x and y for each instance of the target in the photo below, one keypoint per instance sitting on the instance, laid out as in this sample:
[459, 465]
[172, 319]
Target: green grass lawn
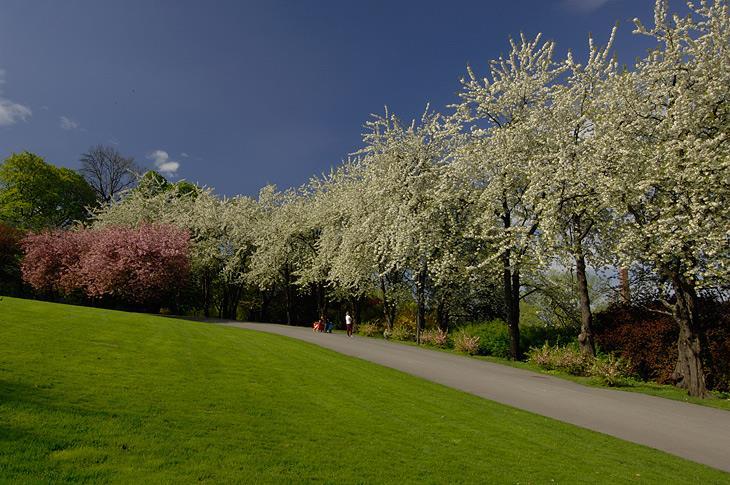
[97, 395]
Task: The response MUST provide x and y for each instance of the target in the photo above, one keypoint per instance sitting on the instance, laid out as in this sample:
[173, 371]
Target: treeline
[544, 164]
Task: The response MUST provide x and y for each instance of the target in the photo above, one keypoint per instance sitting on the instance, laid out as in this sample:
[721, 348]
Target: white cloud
[163, 163]
[169, 168]
[584, 6]
[68, 123]
[159, 156]
[10, 112]
[184, 155]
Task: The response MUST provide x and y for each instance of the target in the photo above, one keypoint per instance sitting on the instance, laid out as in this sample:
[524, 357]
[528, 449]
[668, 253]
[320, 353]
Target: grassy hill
[97, 395]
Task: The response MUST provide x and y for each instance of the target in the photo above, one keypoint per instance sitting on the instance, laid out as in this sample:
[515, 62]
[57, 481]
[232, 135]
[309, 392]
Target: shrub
[716, 318]
[567, 359]
[611, 370]
[649, 341]
[468, 344]
[542, 357]
[369, 329]
[536, 335]
[571, 360]
[435, 338]
[493, 337]
[399, 332]
[406, 318]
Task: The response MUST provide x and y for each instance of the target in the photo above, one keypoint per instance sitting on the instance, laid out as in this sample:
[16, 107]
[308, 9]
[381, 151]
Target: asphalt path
[698, 433]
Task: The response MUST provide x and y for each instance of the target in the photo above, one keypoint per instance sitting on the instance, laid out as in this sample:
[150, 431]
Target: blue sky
[238, 94]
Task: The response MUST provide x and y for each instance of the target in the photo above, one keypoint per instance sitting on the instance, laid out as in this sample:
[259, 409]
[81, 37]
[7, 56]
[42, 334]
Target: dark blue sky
[244, 93]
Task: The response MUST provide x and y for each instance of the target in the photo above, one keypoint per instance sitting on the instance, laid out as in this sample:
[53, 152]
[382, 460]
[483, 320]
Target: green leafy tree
[36, 195]
[10, 253]
[152, 183]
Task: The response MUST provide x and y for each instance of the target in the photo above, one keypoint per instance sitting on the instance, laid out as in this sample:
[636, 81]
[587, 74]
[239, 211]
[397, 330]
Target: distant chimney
[623, 284]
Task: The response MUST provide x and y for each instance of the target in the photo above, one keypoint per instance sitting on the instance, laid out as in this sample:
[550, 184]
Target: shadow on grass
[43, 437]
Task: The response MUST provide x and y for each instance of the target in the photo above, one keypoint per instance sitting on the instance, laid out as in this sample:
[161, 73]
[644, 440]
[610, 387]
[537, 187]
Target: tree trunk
[265, 301]
[357, 309]
[585, 338]
[442, 314]
[234, 296]
[514, 321]
[511, 283]
[623, 283]
[689, 371]
[288, 295]
[224, 301]
[321, 300]
[420, 303]
[206, 294]
[388, 306]
[288, 304]
[231, 303]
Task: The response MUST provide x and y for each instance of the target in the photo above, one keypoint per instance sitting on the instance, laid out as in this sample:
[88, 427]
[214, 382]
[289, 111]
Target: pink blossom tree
[52, 260]
[143, 265]
[138, 265]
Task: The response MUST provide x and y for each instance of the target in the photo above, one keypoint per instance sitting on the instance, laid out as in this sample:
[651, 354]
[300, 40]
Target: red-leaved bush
[142, 265]
[649, 340]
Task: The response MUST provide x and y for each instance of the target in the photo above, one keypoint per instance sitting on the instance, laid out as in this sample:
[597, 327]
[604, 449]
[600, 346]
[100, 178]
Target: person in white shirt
[348, 324]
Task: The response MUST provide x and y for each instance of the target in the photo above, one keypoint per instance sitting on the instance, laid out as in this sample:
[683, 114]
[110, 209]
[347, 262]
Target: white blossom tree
[503, 111]
[404, 167]
[284, 244]
[667, 140]
[344, 256]
[572, 214]
[217, 228]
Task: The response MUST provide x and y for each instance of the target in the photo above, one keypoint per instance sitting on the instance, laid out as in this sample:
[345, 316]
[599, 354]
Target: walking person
[348, 324]
[318, 326]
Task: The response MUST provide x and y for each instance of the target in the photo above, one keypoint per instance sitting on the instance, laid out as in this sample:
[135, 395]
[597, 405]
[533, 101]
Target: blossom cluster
[137, 265]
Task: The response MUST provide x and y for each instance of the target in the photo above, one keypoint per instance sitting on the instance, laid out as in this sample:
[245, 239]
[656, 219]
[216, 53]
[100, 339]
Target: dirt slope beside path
[698, 433]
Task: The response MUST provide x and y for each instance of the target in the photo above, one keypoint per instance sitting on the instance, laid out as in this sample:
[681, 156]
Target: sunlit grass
[96, 395]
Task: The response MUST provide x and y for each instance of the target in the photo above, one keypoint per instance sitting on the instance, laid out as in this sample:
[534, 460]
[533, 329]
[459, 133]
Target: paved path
[694, 432]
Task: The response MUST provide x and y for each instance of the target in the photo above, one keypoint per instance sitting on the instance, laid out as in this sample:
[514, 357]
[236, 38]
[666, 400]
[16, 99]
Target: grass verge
[717, 400]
